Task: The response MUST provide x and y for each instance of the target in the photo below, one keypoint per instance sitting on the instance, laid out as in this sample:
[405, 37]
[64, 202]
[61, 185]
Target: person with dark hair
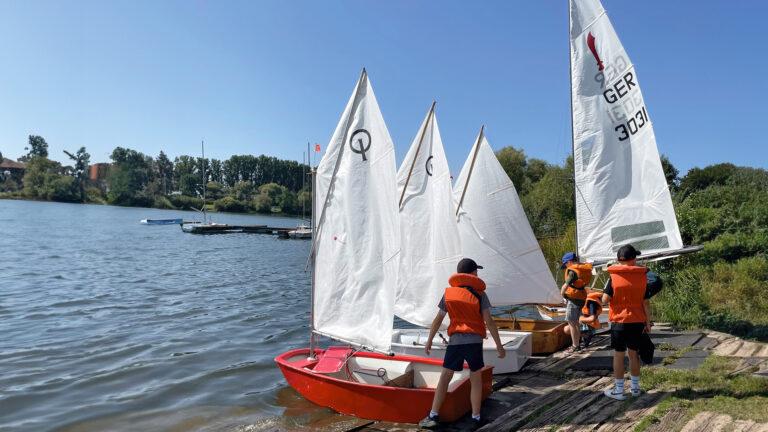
[629, 313]
[577, 277]
[469, 310]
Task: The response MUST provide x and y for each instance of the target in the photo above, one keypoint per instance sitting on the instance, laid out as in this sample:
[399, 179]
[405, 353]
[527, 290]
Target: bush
[162, 202]
[184, 202]
[738, 289]
[63, 188]
[262, 203]
[229, 204]
[94, 195]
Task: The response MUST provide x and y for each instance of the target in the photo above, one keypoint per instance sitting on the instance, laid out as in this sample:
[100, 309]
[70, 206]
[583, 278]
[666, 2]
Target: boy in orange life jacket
[574, 290]
[629, 314]
[469, 310]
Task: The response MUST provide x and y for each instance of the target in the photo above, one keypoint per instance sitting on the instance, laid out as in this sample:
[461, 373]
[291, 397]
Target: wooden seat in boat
[332, 360]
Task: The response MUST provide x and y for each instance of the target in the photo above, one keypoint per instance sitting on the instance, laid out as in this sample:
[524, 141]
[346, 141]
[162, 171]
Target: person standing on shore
[577, 277]
[629, 314]
[469, 311]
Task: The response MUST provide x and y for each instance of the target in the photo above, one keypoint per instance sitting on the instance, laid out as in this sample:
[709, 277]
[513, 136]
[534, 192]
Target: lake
[109, 324]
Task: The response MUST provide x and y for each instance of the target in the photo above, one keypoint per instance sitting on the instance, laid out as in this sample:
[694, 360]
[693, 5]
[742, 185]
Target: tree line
[242, 183]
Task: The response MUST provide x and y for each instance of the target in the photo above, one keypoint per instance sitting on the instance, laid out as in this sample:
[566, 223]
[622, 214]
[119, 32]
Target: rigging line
[480, 137]
[427, 123]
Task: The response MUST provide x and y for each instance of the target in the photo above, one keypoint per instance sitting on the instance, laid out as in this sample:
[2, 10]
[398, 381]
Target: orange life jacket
[463, 307]
[583, 277]
[593, 297]
[626, 305]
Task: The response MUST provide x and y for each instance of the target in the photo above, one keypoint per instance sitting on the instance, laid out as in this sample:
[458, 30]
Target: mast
[480, 137]
[312, 342]
[573, 136]
[418, 149]
[202, 146]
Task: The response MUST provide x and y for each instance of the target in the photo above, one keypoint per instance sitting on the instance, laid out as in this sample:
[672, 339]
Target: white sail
[429, 238]
[495, 232]
[621, 193]
[357, 233]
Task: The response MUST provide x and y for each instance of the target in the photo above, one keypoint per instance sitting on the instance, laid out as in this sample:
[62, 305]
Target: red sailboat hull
[376, 402]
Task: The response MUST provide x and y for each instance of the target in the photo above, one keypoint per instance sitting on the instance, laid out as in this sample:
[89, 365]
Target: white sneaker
[613, 394]
[635, 392]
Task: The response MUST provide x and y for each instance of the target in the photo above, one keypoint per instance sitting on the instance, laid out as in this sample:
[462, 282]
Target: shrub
[162, 202]
[184, 202]
[738, 289]
[229, 204]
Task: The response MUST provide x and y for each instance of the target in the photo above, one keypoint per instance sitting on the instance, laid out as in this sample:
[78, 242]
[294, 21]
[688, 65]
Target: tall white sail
[621, 193]
[495, 232]
[357, 232]
[429, 238]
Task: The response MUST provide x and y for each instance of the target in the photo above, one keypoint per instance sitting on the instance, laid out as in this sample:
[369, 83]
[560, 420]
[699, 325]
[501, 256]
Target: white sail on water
[357, 232]
[621, 192]
[429, 238]
[495, 232]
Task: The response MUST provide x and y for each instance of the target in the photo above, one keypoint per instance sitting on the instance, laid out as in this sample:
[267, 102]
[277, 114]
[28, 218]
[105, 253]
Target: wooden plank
[511, 420]
[601, 412]
[567, 407]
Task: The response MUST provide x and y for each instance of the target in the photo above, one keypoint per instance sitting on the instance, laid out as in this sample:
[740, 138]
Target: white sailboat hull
[517, 344]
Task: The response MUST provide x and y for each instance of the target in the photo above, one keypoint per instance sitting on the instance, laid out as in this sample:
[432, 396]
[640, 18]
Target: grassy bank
[711, 387]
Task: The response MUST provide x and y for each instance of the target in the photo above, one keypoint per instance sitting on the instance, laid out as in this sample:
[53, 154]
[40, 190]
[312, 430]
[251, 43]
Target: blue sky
[254, 77]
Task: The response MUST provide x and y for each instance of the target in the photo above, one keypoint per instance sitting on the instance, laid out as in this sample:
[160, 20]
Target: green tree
[514, 163]
[131, 171]
[164, 171]
[80, 171]
[36, 147]
[670, 172]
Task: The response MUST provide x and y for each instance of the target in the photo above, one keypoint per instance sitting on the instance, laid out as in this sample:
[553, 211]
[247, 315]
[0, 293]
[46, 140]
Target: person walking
[469, 311]
[577, 277]
[629, 313]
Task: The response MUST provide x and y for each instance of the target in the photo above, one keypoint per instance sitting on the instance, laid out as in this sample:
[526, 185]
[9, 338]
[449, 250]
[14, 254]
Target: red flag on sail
[317, 148]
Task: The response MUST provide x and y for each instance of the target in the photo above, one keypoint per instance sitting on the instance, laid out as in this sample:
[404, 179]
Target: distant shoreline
[210, 210]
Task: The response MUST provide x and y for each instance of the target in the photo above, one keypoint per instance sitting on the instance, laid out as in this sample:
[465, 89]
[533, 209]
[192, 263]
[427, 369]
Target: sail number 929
[633, 125]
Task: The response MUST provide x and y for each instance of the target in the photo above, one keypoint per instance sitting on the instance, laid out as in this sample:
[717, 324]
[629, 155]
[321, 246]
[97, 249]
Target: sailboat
[206, 226]
[621, 194]
[354, 274]
[430, 247]
[494, 229]
[302, 231]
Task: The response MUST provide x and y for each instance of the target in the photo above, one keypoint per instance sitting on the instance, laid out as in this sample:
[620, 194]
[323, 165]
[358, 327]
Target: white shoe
[635, 392]
[613, 394]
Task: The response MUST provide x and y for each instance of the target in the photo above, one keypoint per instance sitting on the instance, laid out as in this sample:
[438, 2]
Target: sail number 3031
[633, 125]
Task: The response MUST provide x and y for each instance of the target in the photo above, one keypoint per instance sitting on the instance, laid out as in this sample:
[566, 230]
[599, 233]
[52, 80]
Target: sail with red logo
[621, 193]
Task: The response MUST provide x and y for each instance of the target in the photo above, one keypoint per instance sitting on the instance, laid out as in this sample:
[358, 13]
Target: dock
[563, 392]
[235, 229]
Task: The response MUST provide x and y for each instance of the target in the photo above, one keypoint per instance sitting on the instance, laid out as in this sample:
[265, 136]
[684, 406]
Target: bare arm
[647, 309]
[491, 324]
[433, 330]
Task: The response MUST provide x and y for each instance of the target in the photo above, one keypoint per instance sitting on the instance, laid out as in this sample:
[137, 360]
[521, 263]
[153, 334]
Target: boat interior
[418, 337]
[387, 372]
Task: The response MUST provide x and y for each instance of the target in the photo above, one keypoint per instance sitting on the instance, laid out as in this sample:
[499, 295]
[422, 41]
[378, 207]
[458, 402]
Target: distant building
[98, 171]
[12, 169]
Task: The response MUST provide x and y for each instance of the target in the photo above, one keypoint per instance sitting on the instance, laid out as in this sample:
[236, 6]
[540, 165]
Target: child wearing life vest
[469, 310]
[590, 316]
[577, 277]
[628, 307]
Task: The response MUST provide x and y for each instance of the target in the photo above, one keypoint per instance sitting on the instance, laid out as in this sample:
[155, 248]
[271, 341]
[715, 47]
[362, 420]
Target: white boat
[162, 221]
[518, 346]
[301, 232]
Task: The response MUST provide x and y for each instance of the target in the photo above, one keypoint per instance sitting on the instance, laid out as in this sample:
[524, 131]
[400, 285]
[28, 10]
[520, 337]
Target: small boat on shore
[162, 221]
[375, 386]
[517, 344]
[547, 336]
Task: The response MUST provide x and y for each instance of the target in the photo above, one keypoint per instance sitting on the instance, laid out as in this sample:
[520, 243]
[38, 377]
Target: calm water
[109, 324]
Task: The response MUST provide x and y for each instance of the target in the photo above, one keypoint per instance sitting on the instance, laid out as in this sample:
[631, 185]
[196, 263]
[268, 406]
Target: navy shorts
[456, 355]
[626, 335]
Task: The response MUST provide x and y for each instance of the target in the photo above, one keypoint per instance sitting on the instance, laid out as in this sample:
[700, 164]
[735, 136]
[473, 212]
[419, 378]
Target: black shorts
[626, 335]
[456, 355]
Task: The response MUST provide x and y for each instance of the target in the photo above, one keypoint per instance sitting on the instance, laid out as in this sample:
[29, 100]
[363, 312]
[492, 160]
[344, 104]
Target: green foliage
[184, 202]
[739, 288]
[130, 173]
[81, 159]
[37, 147]
[43, 179]
[262, 204]
[549, 204]
[229, 204]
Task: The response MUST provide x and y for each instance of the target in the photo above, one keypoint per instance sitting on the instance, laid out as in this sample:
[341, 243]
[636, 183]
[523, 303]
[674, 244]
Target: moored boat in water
[162, 221]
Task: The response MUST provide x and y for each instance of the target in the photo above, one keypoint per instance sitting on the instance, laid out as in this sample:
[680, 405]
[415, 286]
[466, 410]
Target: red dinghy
[374, 386]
